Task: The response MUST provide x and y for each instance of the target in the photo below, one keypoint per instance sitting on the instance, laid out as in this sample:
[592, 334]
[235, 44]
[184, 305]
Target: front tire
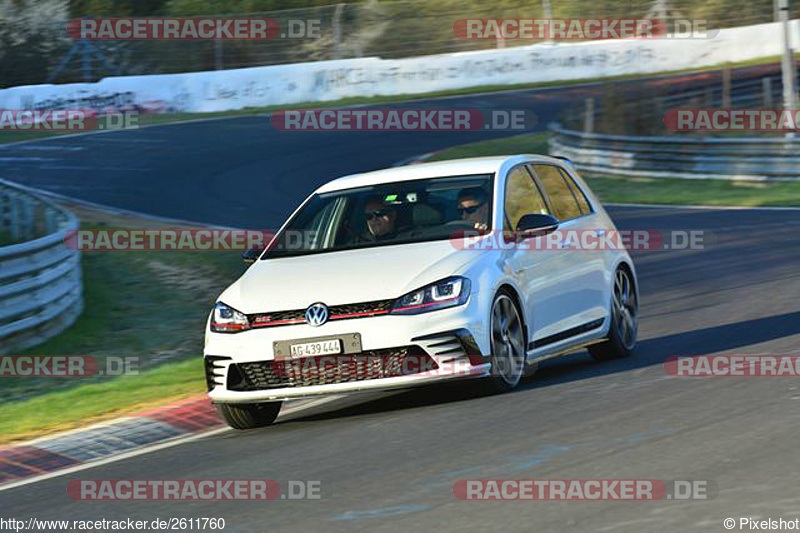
[249, 415]
[507, 344]
[624, 320]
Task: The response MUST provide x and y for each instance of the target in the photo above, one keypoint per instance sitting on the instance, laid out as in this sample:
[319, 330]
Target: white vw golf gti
[412, 275]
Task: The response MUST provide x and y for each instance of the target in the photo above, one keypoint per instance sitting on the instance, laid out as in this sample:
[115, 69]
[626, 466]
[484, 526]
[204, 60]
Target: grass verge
[151, 306]
[626, 190]
[89, 403]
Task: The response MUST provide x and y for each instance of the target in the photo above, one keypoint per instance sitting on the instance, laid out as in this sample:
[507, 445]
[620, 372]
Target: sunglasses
[370, 215]
[470, 210]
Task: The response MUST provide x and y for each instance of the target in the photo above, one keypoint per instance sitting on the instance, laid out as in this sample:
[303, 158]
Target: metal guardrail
[40, 277]
[744, 159]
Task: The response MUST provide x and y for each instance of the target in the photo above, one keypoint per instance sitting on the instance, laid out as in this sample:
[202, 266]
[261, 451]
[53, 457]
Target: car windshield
[387, 213]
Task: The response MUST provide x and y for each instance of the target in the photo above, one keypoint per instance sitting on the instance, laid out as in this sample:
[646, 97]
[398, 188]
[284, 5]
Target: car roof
[440, 169]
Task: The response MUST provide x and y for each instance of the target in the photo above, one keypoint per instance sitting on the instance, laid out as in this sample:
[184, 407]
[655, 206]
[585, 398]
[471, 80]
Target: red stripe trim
[361, 313]
[276, 323]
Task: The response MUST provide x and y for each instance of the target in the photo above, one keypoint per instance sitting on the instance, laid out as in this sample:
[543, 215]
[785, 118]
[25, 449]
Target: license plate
[316, 348]
[347, 343]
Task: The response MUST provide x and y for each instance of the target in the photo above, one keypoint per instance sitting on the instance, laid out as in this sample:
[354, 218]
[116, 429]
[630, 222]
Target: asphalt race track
[243, 172]
[390, 464]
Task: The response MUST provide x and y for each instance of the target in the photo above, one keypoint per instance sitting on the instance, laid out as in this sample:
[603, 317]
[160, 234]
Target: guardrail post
[50, 220]
[5, 214]
[766, 88]
[588, 117]
[13, 217]
[726, 88]
[28, 221]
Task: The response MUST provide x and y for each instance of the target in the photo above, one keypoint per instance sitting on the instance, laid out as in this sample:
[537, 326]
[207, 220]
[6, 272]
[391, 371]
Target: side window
[522, 197]
[582, 201]
[564, 203]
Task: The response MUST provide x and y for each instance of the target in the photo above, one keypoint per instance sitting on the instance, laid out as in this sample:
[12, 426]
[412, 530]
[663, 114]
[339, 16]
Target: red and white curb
[118, 439]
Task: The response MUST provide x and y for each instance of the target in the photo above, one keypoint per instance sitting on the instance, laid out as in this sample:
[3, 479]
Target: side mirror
[536, 225]
[250, 256]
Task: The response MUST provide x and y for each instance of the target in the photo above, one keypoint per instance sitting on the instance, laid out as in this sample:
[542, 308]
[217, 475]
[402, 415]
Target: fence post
[337, 31]
[218, 54]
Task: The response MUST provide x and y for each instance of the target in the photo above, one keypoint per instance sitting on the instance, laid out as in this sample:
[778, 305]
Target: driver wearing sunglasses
[473, 207]
[380, 219]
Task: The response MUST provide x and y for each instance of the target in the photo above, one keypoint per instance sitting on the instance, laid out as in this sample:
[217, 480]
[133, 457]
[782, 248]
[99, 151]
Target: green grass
[148, 305]
[694, 192]
[70, 408]
[16, 136]
[644, 190]
[534, 143]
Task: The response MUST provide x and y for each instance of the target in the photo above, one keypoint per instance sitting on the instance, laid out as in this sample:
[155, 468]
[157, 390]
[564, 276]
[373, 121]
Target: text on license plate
[316, 348]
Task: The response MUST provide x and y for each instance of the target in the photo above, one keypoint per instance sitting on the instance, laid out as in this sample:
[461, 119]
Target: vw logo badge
[317, 314]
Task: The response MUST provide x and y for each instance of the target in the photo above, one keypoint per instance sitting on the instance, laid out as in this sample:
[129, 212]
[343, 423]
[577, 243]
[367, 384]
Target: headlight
[450, 292]
[228, 320]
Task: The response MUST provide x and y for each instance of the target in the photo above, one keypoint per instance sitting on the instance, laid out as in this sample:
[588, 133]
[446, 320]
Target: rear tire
[624, 326]
[249, 415]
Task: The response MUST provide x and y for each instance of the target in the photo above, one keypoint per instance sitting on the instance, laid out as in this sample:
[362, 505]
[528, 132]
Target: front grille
[335, 312]
[332, 369]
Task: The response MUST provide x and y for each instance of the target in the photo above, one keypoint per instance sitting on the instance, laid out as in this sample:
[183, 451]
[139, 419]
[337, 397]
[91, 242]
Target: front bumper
[451, 339]
[225, 395]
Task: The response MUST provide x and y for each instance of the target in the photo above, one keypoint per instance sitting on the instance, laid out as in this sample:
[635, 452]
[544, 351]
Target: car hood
[344, 277]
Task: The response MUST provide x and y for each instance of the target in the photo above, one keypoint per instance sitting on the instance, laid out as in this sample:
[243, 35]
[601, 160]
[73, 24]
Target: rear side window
[522, 197]
[582, 201]
[564, 203]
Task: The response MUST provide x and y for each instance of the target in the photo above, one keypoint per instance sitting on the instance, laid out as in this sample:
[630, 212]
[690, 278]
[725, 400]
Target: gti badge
[317, 314]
